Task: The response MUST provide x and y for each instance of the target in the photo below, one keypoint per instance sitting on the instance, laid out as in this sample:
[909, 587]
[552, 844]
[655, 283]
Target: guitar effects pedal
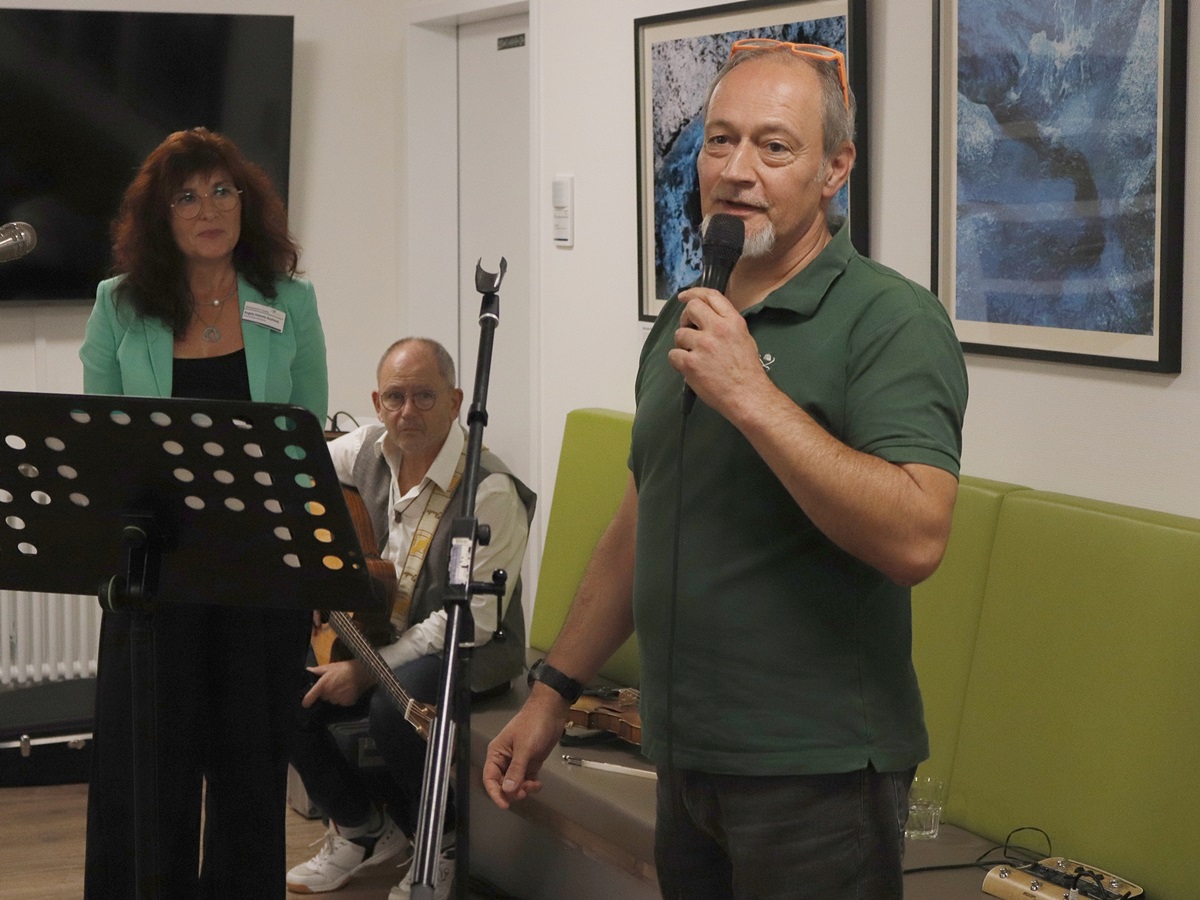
[1053, 878]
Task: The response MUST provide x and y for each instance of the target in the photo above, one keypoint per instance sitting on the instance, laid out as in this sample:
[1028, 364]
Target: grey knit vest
[495, 662]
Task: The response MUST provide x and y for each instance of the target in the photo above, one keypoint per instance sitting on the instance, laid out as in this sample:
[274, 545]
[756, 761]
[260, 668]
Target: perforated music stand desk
[145, 501]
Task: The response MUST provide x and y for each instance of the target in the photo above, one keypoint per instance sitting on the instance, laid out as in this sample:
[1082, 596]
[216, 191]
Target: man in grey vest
[408, 470]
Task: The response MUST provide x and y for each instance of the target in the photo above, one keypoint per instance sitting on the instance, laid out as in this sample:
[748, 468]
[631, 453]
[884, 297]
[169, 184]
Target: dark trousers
[342, 790]
[824, 837]
[226, 679]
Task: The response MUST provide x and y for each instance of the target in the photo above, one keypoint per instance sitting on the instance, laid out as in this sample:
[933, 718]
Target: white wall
[346, 108]
[590, 334]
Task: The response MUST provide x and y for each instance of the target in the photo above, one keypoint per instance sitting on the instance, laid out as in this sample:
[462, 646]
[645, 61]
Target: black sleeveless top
[212, 378]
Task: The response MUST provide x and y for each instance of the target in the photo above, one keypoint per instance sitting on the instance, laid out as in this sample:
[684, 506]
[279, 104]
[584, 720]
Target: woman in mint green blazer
[207, 303]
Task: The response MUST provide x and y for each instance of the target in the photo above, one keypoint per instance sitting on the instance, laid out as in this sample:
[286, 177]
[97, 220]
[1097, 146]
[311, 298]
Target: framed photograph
[1058, 178]
[677, 55]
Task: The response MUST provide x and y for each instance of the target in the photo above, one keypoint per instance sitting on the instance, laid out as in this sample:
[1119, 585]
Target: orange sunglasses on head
[815, 51]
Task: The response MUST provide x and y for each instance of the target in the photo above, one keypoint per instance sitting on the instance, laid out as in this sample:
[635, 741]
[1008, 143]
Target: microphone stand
[454, 713]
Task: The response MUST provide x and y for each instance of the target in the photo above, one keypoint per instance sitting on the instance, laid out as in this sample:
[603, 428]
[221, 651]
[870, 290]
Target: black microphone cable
[672, 609]
[721, 246]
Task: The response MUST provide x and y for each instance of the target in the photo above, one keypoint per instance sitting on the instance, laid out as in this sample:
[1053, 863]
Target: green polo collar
[802, 294]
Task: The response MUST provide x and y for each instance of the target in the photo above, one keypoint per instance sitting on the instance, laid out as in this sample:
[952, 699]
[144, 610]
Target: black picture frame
[676, 56]
[1058, 199]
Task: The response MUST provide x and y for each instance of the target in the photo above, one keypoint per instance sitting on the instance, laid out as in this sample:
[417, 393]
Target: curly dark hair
[144, 248]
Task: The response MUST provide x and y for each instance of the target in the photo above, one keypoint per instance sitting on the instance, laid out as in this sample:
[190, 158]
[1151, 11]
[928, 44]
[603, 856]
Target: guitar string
[367, 654]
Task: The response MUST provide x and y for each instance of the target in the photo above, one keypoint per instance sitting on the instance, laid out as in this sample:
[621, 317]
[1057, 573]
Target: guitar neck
[419, 715]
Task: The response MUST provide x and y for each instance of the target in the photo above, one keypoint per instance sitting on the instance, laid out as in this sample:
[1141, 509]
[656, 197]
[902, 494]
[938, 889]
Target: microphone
[721, 247]
[16, 239]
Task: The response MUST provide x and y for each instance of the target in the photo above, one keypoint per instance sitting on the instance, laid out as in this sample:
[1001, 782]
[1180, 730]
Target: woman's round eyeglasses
[187, 204]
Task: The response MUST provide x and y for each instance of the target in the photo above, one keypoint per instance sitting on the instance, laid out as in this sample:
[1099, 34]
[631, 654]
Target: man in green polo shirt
[767, 540]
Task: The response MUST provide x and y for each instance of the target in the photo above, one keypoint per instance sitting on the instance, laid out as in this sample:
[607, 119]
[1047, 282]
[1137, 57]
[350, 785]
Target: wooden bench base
[608, 817]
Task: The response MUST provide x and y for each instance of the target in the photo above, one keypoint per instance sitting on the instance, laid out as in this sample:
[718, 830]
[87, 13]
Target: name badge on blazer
[267, 316]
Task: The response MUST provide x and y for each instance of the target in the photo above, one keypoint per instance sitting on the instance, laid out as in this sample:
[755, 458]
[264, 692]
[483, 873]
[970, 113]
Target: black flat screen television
[85, 96]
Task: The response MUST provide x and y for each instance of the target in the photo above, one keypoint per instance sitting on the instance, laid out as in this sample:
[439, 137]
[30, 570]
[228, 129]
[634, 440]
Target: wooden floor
[42, 841]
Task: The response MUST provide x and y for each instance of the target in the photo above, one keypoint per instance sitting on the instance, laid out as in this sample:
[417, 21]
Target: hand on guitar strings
[340, 683]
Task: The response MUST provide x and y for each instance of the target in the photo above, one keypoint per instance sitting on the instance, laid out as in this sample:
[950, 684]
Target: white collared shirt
[496, 505]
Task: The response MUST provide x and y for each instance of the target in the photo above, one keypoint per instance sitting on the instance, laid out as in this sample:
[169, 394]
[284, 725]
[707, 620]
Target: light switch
[562, 198]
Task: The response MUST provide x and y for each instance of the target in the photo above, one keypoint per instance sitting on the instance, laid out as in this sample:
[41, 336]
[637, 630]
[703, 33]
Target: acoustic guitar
[352, 636]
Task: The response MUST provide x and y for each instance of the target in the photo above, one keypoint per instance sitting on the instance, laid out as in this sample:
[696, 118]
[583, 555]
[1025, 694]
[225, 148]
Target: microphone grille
[724, 234]
[28, 234]
[20, 232]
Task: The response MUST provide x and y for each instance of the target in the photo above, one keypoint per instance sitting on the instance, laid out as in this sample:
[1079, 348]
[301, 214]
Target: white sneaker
[443, 880]
[340, 857]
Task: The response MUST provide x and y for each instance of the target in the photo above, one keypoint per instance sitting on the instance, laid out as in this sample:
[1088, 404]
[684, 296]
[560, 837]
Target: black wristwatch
[551, 677]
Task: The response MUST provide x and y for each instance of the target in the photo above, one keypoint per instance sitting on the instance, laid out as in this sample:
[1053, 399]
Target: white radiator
[47, 637]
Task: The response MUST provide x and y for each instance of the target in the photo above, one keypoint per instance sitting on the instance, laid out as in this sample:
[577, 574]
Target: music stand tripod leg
[135, 592]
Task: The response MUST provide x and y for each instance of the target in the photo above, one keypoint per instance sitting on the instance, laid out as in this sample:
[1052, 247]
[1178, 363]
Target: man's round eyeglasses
[187, 204]
[813, 51]
[422, 400]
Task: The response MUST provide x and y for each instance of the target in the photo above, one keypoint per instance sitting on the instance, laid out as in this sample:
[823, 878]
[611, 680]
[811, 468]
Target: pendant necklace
[211, 333]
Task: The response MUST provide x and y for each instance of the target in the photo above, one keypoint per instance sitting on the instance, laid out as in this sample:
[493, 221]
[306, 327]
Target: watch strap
[568, 687]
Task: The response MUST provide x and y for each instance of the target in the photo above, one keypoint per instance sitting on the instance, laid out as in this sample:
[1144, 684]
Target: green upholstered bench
[1078, 716]
[1055, 651]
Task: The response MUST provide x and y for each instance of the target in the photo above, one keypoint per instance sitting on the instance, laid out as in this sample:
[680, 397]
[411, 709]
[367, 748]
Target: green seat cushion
[945, 611]
[593, 471]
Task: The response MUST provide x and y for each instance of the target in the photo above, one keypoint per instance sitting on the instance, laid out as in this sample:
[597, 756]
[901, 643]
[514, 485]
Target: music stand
[121, 497]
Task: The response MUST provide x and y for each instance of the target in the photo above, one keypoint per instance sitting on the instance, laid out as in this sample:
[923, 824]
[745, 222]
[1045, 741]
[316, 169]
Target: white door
[493, 142]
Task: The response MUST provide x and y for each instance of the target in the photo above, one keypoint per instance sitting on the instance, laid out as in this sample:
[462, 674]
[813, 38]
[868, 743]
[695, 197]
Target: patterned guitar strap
[422, 537]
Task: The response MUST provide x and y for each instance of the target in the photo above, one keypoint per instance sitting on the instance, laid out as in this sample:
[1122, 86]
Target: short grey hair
[836, 119]
[445, 362]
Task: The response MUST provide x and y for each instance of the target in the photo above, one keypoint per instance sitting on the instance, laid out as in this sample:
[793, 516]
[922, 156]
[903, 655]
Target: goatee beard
[759, 244]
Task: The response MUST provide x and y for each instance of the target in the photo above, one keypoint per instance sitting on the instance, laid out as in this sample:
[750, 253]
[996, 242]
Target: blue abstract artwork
[1057, 180]
[681, 70]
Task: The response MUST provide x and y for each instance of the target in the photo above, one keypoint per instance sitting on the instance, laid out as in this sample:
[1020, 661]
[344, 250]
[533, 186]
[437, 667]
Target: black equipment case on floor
[46, 732]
